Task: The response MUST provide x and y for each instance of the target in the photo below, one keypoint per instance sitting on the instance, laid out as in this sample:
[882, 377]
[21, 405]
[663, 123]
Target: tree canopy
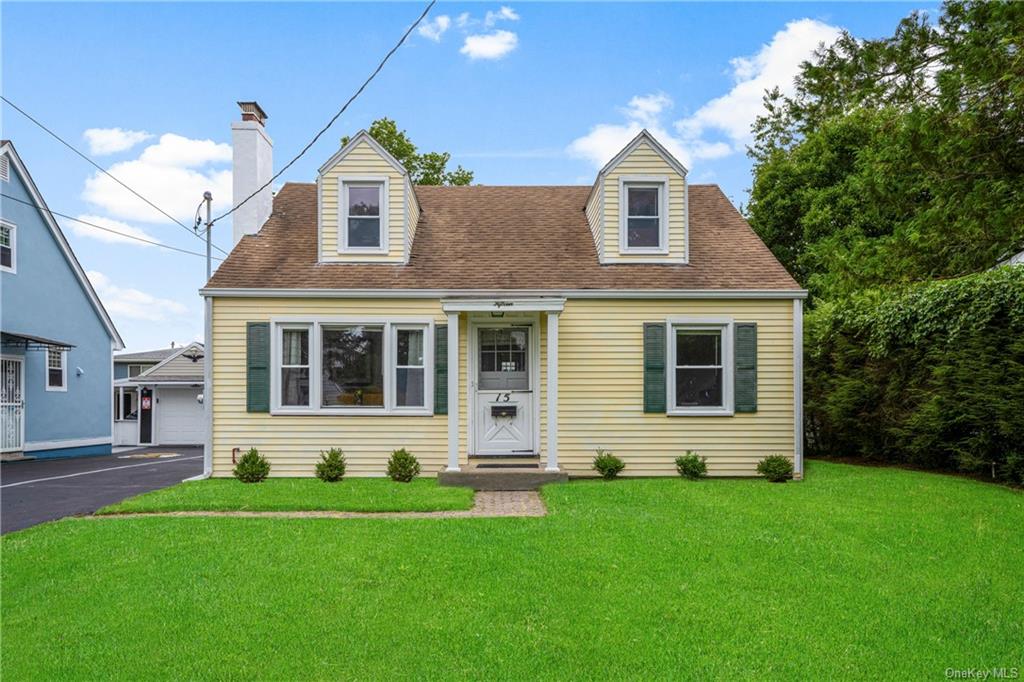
[899, 159]
[428, 168]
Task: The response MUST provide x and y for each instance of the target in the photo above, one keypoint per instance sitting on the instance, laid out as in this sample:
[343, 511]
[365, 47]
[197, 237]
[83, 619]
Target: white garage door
[179, 417]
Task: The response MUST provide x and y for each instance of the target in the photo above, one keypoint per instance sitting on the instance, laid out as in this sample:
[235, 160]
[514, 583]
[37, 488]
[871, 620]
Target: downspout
[207, 390]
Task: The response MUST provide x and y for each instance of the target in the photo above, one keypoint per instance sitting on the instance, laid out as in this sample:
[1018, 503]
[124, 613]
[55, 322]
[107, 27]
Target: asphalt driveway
[37, 491]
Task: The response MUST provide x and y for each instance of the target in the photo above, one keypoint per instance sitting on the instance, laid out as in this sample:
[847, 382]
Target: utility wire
[335, 117]
[101, 168]
[105, 229]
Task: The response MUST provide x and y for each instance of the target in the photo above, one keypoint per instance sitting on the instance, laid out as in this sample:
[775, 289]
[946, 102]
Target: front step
[501, 479]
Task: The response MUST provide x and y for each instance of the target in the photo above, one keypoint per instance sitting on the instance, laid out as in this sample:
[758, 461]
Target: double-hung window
[644, 220]
[7, 246]
[56, 369]
[700, 368]
[364, 215]
[373, 366]
[294, 370]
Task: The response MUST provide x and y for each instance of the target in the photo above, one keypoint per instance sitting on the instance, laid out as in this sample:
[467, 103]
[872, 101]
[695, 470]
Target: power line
[105, 229]
[335, 117]
[100, 168]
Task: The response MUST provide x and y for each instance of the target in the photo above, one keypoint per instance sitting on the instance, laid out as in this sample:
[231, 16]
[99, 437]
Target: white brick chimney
[252, 166]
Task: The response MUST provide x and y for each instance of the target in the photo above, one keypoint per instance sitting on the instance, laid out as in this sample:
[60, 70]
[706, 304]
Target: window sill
[353, 251]
[701, 412]
[56, 389]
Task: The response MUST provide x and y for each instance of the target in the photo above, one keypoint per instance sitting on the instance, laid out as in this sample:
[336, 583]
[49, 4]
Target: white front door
[503, 409]
[12, 404]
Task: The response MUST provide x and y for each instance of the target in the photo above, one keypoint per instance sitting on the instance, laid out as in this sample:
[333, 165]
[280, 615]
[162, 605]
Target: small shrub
[252, 467]
[402, 466]
[692, 466]
[776, 468]
[607, 464]
[331, 467]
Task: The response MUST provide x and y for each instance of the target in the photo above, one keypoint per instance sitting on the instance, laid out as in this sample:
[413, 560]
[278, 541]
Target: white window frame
[393, 341]
[383, 183]
[13, 231]
[63, 368]
[661, 183]
[316, 325]
[726, 326]
[279, 364]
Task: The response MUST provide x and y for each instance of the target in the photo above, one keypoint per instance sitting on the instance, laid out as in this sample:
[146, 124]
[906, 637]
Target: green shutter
[746, 367]
[257, 367]
[654, 367]
[441, 369]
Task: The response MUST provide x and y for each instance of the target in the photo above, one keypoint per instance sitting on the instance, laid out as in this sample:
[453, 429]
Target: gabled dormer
[638, 208]
[367, 207]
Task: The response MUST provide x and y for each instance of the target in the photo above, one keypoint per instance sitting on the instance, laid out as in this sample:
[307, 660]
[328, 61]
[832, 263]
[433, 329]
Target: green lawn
[854, 573]
[299, 494]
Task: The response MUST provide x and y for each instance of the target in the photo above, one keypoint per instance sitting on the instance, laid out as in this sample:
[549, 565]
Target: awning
[30, 342]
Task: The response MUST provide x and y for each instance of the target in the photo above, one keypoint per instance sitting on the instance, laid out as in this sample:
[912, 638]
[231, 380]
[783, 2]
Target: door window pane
[503, 364]
[353, 367]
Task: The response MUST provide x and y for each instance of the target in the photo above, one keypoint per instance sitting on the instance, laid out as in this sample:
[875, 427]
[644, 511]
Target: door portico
[502, 384]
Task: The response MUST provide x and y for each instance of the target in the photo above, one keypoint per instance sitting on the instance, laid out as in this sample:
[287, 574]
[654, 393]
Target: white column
[798, 387]
[453, 391]
[552, 392]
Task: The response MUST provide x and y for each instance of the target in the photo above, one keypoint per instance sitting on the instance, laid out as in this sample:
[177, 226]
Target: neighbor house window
[295, 366]
[364, 215]
[700, 368]
[7, 245]
[56, 369]
[354, 367]
[134, 370]
[125, 404]
[643, 220]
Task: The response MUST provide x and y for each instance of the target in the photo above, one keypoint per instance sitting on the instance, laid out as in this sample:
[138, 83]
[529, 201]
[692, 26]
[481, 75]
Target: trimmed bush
[402, 466]
[252, 467]
[607, 465]
[776, 468]
[331, 467]
[692, 466]
[932, 377]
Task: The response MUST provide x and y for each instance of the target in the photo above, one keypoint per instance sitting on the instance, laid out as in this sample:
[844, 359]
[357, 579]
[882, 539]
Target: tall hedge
[932, 377]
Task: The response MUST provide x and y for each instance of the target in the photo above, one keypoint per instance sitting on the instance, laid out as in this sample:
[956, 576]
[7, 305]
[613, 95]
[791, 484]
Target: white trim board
[505, 294]
[68, 443]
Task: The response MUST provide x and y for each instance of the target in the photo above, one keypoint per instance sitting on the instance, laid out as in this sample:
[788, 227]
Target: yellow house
[483, 325]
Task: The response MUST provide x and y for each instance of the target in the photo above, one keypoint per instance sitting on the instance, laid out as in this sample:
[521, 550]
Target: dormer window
[363, 215]
[644, 215]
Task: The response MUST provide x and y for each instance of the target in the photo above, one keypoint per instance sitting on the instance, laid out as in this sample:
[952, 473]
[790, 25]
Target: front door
[146, 416]
[12, 404]
[504, 398]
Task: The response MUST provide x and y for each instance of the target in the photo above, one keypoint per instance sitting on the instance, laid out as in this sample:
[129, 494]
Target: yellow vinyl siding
[595, 214]
[362, 161]
[293, 443]
[414, 217]
[600, 385]
[644, 160]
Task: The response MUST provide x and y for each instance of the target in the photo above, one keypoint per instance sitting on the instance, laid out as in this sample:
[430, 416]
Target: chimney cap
[252, 111]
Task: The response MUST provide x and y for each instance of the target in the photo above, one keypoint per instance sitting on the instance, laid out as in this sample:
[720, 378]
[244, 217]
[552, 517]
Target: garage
[179, 416]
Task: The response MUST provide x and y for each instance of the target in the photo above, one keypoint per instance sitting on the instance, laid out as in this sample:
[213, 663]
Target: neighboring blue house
[56, 339]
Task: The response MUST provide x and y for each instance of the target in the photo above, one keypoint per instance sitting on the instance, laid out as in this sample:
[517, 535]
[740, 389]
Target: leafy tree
[899, 159]
[429, 168]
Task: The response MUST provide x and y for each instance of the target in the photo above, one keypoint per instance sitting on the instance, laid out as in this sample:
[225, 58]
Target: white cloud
[103, 141]
[463, 20]
[775, 65]
[504, 14]
[433, 30]
[721, 126]
[173, 174]
[490, 45]
[117, 226]
[133, 304]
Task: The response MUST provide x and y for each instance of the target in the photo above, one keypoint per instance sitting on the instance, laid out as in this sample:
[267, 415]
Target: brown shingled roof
[482, 237]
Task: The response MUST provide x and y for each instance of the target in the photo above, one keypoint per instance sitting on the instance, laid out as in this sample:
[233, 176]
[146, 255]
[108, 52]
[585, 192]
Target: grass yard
[854, 573]
[299, 494]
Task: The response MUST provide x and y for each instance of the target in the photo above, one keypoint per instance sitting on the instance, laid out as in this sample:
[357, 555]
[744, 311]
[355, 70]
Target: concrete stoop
[501, 479]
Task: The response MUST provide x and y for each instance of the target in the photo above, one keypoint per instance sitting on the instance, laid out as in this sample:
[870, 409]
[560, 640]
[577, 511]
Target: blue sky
[528, 93]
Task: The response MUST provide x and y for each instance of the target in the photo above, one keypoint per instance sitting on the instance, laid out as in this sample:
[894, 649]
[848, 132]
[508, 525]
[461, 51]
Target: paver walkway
[486, 504]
